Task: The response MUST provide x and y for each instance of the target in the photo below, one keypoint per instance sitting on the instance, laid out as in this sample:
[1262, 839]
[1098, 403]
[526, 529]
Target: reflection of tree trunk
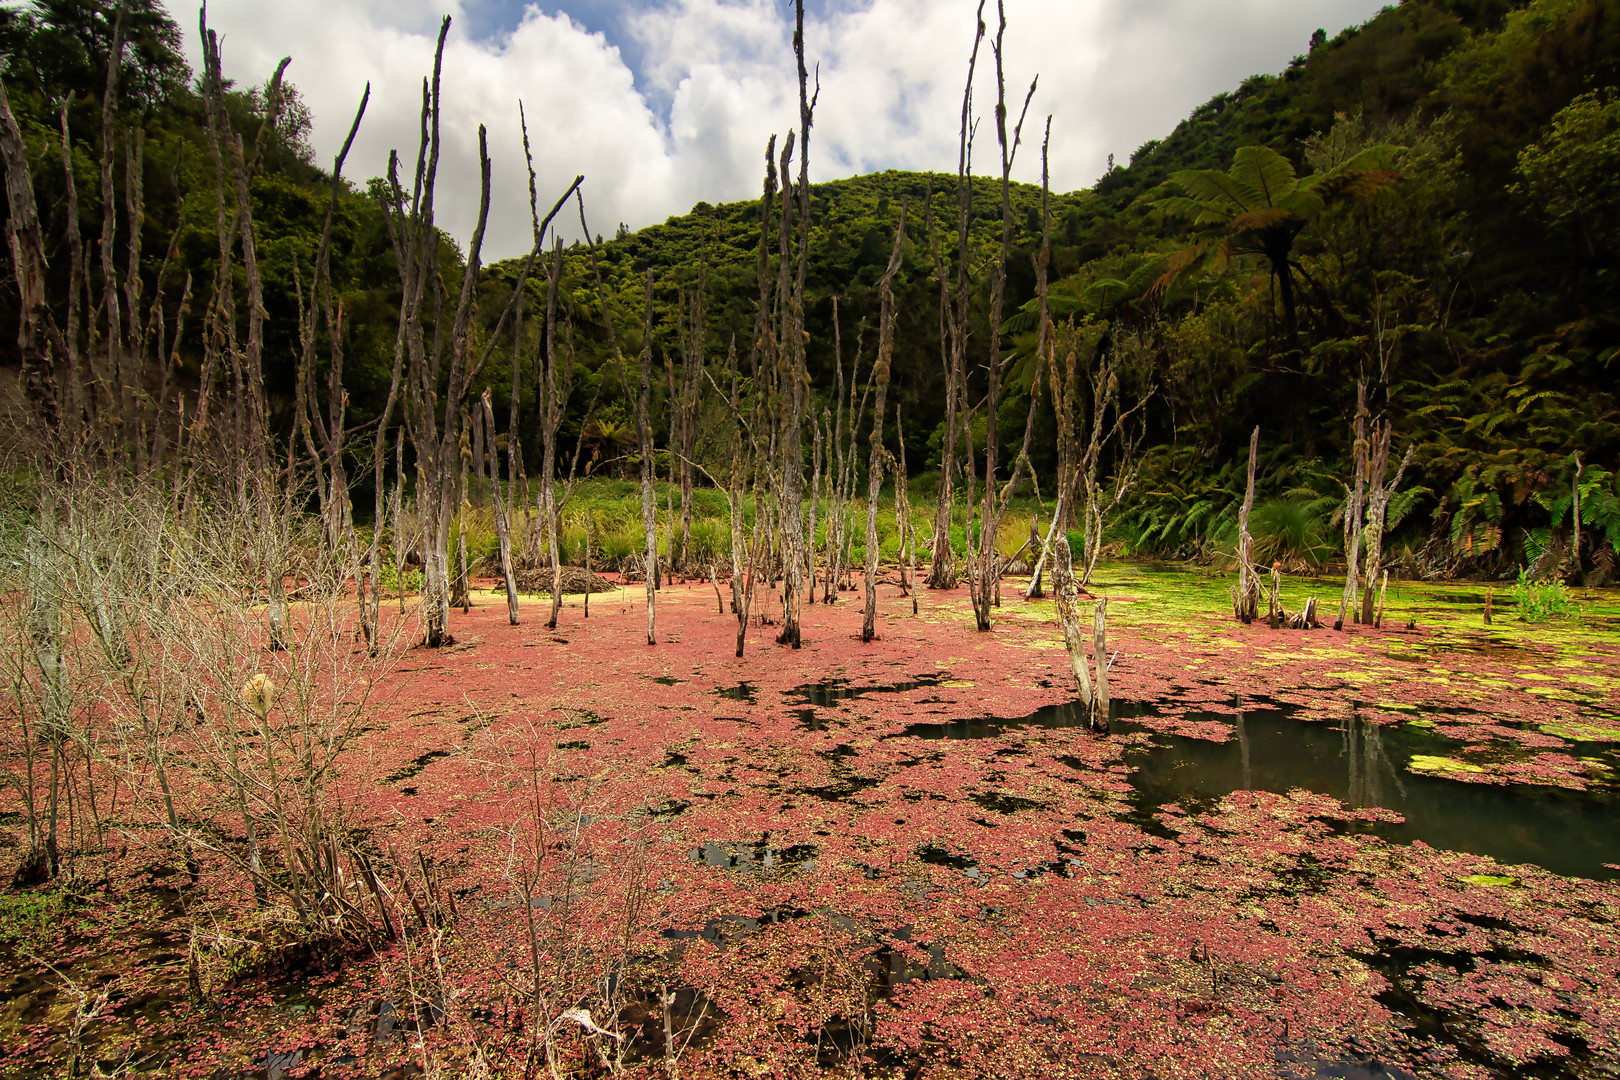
[1354, 796]
[1243, 751]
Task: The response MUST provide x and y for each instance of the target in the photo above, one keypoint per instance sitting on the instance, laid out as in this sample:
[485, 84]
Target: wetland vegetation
[910, 626]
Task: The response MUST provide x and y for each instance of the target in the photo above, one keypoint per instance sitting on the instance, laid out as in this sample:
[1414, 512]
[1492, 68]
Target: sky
[665, 103]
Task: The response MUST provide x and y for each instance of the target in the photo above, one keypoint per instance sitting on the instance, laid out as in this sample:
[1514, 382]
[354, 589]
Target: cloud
[668, 103]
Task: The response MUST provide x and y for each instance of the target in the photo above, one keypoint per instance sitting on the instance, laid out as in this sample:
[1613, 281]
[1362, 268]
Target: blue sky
[663, 103]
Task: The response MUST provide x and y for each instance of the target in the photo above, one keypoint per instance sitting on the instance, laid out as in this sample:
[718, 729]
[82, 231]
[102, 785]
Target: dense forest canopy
[1448, 237]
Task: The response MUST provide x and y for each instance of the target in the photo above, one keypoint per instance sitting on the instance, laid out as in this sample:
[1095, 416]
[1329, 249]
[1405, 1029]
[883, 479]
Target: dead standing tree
[438, 445]
[1124, 432]
[649, 505]
[1366, 511]
[256, 481]
[988, 571]
[1355, 492]
[1378, 496]
[1246, 593]
[795, 380]
[551, 399]
[954, 330]
[880, 374]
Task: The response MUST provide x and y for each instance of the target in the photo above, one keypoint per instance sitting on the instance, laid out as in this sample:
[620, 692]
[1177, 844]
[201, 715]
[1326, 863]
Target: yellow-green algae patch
[1436, 764]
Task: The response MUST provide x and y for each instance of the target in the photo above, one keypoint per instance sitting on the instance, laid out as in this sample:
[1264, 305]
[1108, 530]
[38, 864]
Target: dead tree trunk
[902, 513]
[649, 506]
[736, 484]
[503, 527]
[988, 572]
[1377, 508]
[1099, 652]
[1246, 600]
[874, 481]
[1066, 592]
[553, 400]
[1355, 491]
[35, 330]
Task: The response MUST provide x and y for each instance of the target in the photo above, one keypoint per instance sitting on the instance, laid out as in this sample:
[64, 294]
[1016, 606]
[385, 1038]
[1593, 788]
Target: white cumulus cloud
[715, 78]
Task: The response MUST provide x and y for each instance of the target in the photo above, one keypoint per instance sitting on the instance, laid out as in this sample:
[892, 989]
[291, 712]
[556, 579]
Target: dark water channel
[1365, 765]
[1362, 764]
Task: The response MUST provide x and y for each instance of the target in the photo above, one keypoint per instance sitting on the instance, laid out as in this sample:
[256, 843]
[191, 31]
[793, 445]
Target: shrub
[1293, 530]
[1542, 600]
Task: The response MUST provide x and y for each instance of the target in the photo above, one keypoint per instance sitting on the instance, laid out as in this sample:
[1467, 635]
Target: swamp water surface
[1360, 763]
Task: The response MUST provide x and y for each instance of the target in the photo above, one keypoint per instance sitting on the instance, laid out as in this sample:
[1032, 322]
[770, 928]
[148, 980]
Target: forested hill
[1475, 290]
[1451, 174]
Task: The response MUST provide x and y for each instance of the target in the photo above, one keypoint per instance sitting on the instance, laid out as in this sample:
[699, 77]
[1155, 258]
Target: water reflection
[1360, 763]
[1363, 764]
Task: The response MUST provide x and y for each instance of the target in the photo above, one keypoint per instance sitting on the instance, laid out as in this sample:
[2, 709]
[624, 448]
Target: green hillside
[1470, 279]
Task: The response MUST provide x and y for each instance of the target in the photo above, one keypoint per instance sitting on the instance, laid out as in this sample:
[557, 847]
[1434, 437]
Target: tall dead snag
[649, 505]
[954, 328]
[817, 449]
[1355, 492]
[988, 571]
[788, 455]
[438, 447]
[795, 545]
[902, 515]
[684, 407]
[257, 481]
[503, 525]
[1062, 404]
[736, 482]
[760, 368]
[27, 245]
[1378, 496]
[415, 244]
[1066, 592]
[324, 438]
[438, 452]
[1575, 572]
[1099, 653]
[125, 383]
[880, 376]
[552, 399]
[1246, 596]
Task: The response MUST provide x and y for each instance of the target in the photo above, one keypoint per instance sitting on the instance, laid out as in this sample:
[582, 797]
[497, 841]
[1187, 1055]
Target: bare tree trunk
[735, 482]
[874, 482]
[397, 514]
[793, 538]
[1576, 572]
[1099, 652]
[988, 572]
[815, 500]
[1377, 507]
[649, 509]
[902, 511]
[503, 527]
[125, 383]
[34, 330]
[70, 361]
[1066, 592]
[460, 587]
[553, 399]
[1354, 493]
[1246, 602]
